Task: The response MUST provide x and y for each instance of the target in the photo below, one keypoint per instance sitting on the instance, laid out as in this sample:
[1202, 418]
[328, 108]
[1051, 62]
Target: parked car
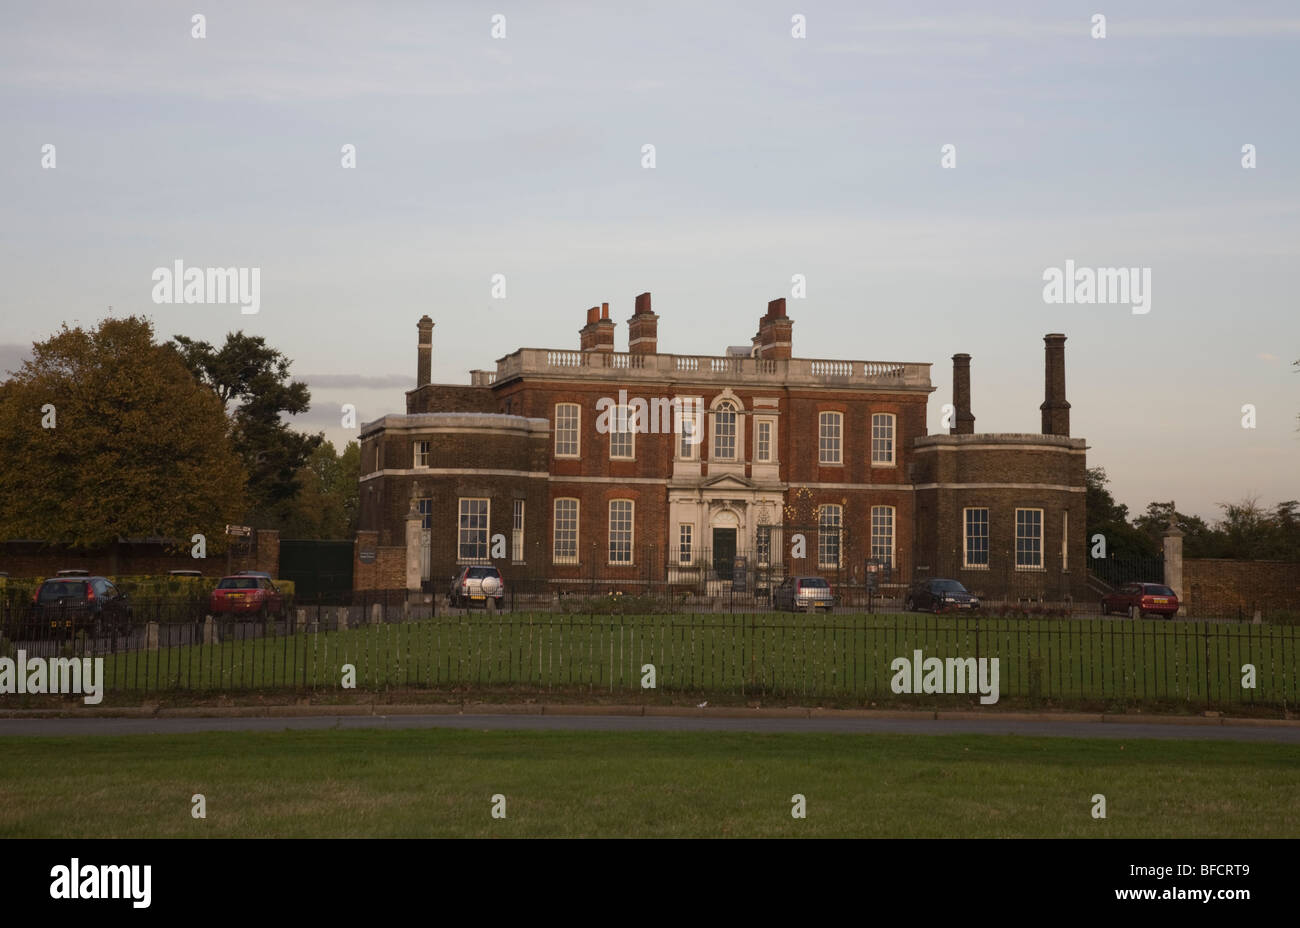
[82, 602]
[241, 595]
[477, 585]
[939, 594]
[1142, 599]
[806, 593]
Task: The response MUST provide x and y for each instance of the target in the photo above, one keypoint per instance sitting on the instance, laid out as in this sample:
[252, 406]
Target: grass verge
[440, 782]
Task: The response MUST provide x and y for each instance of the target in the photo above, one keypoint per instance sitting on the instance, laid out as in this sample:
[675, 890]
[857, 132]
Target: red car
[1146, 598]
[244, 595]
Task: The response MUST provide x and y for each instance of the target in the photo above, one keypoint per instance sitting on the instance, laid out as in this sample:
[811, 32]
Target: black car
[940, 595]
[75, 603]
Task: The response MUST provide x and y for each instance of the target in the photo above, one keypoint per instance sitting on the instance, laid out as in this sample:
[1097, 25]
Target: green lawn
[837, 656]
[441, 782]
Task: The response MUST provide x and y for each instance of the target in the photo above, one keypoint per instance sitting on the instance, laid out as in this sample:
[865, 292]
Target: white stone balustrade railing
[708, 368]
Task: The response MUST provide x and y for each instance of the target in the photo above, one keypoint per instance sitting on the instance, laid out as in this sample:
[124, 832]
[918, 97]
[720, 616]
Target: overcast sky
[775, 156]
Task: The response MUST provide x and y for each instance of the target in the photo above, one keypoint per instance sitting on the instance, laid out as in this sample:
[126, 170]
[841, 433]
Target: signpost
[244, 532]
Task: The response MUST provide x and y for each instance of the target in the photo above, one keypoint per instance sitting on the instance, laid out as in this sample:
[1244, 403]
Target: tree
[252, 381]
[105, 435]
[1199, 538]
[1287, 522]
[327, 504]
[1110, 520]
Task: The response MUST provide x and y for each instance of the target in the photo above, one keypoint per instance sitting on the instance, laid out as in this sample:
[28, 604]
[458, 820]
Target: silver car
[803, 593]
[477, 586]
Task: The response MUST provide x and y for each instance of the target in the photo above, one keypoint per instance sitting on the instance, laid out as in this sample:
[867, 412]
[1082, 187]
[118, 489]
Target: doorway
[724, 552]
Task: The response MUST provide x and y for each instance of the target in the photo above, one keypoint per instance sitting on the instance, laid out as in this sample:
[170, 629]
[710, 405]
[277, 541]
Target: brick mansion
[521, 468]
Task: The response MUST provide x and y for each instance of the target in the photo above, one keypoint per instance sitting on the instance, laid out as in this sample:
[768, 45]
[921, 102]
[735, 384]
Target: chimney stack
[598, 333]
[643, 328]
[774, 331]
[964, 422]
[1056, 411]
[424, 359]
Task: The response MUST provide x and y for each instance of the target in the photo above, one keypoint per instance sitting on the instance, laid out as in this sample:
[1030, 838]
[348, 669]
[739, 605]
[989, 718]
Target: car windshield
[238, 583]
[478, 573]
[63, 589]
[1155, 589]
[948, 586]
[816, 582]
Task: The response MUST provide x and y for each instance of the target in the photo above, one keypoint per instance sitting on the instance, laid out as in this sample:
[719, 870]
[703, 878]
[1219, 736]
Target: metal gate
[319, 569]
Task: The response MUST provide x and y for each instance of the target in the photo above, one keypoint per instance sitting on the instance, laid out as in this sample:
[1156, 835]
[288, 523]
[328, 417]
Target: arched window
[724, 431]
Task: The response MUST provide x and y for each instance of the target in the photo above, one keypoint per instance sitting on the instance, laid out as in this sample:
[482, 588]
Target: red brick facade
[809, 441]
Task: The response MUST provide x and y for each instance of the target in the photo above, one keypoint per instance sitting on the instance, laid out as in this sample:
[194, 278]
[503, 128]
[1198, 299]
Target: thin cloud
[357, 381]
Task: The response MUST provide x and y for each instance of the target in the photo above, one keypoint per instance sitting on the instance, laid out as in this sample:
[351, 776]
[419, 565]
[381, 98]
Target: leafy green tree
[105, 435]
[1287, 522]
[1110, 519]
[252, 381]
[327, 505]
[1199, 538]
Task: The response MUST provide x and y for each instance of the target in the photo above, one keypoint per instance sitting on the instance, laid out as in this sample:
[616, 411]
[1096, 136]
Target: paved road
[860, 726]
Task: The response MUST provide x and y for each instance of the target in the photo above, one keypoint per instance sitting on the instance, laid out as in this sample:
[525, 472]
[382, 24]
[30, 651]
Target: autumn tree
[105, 435]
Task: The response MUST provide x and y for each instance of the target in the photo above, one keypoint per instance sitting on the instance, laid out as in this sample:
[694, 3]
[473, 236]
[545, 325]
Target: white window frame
[733, 409]
[556, 556]
[461, 529]
[830, 447]
[884, 447]
[420, 452]
[517, 532]
[884, 524]
[576, 429]
[1038, 538]
[424, 506]
[826, 530]
[685, 544]
[759, 426]
[966, 537]
[631, 531]
[622, 428]
[690, 451]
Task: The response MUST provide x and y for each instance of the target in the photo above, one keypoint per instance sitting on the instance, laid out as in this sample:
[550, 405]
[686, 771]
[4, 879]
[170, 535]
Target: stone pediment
[727, 482]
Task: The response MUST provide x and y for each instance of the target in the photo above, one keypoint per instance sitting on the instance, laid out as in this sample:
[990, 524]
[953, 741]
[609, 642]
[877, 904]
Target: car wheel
[1104, 610]
[909, 605]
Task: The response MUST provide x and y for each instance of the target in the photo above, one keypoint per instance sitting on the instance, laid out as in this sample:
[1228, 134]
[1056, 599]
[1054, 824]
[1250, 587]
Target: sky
[774, 156]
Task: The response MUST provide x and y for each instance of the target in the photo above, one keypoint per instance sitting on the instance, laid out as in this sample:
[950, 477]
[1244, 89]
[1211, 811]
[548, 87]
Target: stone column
[414, 524]
[1174, 560]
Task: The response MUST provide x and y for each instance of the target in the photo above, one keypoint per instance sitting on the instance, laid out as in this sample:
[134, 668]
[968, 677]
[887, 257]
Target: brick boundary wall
[1219, 585]
[388, 569]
